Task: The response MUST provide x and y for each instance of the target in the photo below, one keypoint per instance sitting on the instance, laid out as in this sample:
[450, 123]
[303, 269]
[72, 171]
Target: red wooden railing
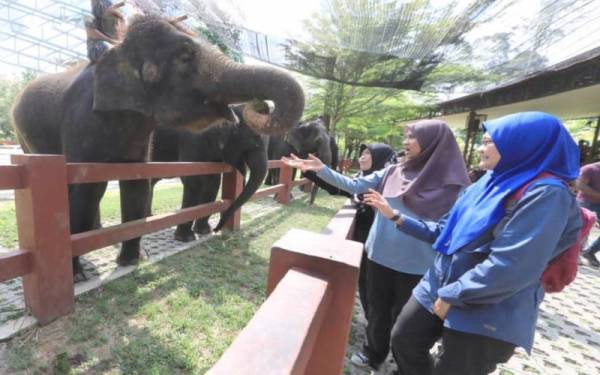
[42, 209]
[304, 324]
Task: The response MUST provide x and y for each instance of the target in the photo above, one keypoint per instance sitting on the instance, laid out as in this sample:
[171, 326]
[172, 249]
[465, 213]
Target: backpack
[562, 270]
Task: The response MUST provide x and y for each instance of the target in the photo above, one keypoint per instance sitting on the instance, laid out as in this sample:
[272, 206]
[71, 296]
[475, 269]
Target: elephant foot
[78, 273]
[202, 229]
[184, 235]
[128, 257]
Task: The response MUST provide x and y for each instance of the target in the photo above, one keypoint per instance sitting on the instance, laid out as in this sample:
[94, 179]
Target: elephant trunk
[257, 163]
[243, 83]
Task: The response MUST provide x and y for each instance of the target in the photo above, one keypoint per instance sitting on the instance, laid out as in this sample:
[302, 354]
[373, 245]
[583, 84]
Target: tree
[9, 90]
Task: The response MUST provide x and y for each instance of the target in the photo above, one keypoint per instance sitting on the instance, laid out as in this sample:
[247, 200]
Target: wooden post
[43, 225]
[592, 153]
[233, 183]
[285, 177]
[335, 260]
[467, 135]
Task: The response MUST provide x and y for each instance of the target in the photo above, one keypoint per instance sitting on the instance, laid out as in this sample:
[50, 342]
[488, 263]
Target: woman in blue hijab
[483, 293]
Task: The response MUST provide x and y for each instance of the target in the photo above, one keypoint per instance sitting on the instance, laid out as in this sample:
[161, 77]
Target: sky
[284, 18]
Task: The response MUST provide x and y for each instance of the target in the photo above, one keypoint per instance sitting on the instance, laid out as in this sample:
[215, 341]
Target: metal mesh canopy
[42, 35]
[442, 46]
[446, 46]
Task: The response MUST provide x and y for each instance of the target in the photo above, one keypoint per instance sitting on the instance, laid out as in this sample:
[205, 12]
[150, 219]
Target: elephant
[307, 137]
[160, 75]
[234, 143]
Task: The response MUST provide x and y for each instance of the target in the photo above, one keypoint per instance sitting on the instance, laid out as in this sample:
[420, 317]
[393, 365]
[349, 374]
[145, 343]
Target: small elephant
[233, 143]
[159, 75]
[310, 137]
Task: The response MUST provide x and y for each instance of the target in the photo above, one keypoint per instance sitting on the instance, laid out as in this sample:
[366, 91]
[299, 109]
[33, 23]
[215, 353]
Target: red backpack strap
[523, 189]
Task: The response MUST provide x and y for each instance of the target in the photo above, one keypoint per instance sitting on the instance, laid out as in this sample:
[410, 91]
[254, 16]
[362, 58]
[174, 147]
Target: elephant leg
[134, 205]
[272, 177]
[209, 191]
[84, 212]
[191, 197]
[151, 194]
[97, 221]
[313, 193]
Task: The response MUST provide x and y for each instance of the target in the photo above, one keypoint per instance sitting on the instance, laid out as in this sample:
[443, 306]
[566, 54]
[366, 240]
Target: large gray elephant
[233, 143]
[159, 75]
[307, 137]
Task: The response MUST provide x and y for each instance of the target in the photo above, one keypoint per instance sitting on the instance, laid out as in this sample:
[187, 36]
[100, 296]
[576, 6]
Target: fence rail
[42, 209]
[304, 324]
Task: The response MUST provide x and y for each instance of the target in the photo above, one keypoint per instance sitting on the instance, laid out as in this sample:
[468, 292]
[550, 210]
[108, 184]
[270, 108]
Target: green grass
[167, 198]
[172, 317]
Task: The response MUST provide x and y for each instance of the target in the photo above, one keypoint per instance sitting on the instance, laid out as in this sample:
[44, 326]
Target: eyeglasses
[486, 142]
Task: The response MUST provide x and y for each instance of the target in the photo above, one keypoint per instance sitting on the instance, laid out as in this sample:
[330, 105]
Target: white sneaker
[360, 359]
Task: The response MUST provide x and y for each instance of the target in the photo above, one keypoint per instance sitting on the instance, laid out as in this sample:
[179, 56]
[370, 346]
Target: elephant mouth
[201, 124]
[218, 115]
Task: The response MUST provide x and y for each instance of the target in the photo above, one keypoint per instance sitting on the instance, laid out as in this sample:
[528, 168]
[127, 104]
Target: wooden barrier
[290, 315]
[304, 325]
[42, 209]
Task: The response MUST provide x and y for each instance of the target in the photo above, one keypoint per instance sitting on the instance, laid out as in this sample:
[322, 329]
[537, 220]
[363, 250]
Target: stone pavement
[100, 266]
[567, 340]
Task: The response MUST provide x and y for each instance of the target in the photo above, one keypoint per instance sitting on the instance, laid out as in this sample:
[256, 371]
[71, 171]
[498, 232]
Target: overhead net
[429, 45]
[441, 46]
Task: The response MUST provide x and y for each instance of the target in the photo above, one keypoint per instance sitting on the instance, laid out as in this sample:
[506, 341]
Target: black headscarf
[381, 154]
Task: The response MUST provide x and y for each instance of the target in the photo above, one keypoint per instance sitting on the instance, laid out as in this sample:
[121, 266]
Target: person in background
[105, 29]
[425, 184]
[373, 157]
[588, 185]
[483, 293]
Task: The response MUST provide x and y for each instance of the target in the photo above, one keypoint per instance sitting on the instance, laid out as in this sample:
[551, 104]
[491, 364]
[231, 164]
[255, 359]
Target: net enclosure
[459, 46]
[441, 46]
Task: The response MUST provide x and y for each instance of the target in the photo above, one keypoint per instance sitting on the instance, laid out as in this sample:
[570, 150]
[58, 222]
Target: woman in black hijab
[373, 157]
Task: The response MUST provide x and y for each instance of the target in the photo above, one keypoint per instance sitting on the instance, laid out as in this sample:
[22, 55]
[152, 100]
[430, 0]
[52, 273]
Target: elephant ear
[118, 86]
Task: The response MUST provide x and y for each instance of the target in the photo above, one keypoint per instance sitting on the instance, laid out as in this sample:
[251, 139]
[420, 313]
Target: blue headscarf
[529, 143]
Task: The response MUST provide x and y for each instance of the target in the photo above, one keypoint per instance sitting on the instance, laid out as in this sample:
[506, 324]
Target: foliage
[213, 37]
[9, 89]
[359, 113]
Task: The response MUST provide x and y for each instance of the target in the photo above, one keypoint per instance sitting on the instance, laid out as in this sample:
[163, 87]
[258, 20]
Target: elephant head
[311, 137]
[164, 73]
[244, 148]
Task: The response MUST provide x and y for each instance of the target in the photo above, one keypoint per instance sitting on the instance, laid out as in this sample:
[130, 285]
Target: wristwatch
[396, 216]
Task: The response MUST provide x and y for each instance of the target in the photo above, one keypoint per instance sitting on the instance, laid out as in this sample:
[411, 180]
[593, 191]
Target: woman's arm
[357, 185]
[426, 231]
[332, 190]
[519, 253]
[352, 185]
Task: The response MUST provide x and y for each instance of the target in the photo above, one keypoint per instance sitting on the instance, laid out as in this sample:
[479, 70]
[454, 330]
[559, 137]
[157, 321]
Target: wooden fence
[46, 245]
[304, 324]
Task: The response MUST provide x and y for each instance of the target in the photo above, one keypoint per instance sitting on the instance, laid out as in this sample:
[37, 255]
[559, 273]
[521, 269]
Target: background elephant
[304, 138]
[233, 143]
[158, 75]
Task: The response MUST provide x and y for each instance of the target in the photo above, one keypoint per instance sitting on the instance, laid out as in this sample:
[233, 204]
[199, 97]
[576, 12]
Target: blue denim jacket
[386, 245]
[493, 283]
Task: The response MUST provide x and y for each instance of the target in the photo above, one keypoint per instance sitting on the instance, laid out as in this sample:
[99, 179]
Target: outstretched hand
[311, 164]
[374, 199]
